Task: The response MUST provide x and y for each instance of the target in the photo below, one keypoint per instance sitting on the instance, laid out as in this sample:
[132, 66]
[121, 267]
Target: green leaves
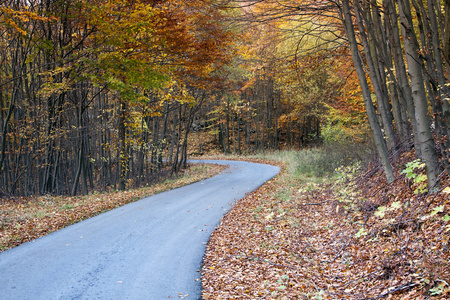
[396, 205]
[437, 290]
[436, 210]
[411, 167]
[383, 209]
[419, 179]
[380, 211]
[361, 232]
[130, 77]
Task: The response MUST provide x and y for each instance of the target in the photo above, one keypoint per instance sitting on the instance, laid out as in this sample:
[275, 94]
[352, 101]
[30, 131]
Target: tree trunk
[415, 67]
[381, 101]
[122, 159]
[404, 88]
[376, 130]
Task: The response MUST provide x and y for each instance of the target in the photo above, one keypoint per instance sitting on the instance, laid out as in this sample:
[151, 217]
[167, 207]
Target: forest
[100, 94]
[104, 97]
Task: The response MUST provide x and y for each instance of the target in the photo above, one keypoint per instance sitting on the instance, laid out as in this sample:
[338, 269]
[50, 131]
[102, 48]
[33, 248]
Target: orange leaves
[282, 242]
[149, 41]
[11, 18]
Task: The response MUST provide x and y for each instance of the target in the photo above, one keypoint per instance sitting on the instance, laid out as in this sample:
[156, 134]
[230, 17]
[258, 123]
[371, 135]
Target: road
[149, 249]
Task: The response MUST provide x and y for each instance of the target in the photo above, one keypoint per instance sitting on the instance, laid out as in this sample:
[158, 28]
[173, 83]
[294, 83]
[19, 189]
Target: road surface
[149, 249]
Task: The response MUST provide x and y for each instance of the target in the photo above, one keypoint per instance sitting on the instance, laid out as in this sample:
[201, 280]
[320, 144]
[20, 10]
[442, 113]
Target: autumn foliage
[357, 238]
[94, 94]
[106, 95]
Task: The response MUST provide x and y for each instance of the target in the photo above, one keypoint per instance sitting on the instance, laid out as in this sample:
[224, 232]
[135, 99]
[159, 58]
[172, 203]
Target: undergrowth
[345, 235]
[319, 164]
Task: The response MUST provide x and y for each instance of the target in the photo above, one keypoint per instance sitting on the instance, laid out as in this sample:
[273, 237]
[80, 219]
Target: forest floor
[23, 219]
[349, 237]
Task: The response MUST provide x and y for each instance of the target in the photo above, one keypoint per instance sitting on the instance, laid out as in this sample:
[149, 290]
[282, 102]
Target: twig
[339, 253]
[318, 203]
[404, 287]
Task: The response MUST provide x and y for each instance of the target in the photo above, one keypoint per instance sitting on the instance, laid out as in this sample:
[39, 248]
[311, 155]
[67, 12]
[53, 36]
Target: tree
[405, 98]
[85, 88]
[377, 134]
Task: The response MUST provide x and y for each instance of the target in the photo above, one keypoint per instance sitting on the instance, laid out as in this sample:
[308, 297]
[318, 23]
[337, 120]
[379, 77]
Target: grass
[318, 164]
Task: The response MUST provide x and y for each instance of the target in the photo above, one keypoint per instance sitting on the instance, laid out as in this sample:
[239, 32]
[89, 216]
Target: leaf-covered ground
[25, 219]
[357, 238]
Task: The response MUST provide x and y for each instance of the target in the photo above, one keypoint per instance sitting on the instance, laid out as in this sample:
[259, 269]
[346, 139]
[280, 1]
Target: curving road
[149, 249]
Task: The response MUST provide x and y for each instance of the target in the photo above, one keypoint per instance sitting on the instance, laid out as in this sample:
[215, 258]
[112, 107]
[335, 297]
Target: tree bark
[415, 67]
[381, 101]
[122, 159]
[376, 130]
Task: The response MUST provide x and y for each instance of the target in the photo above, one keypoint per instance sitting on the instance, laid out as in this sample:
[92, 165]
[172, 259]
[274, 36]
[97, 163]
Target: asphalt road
[149, 249]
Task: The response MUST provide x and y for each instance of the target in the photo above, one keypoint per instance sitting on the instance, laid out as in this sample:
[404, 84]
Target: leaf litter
[357, 238]
[27, 218]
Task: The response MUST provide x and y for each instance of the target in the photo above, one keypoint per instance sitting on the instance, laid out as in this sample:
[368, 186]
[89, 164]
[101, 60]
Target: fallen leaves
[25, 219]
[342, 241]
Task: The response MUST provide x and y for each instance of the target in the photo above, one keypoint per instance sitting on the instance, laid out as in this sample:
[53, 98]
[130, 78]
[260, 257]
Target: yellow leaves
[175, 91]
[52, 86]
[128, 26]
[155, 114]
[284, 224]
[55, 88]
[17, 19]
[270, 216]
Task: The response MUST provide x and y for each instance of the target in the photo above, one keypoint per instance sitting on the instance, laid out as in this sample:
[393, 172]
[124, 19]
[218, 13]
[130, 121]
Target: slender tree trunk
[227, 133]
[233, 126]
[381, 101]
[77, 175]
[122, 159]
[174, 136]
[446, 38]
[404, 88]
[376, 130]
[415, 67]
[239, 135]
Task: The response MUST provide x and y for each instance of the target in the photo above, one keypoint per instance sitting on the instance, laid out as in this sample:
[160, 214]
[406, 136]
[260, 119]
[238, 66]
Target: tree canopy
[98, 93]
